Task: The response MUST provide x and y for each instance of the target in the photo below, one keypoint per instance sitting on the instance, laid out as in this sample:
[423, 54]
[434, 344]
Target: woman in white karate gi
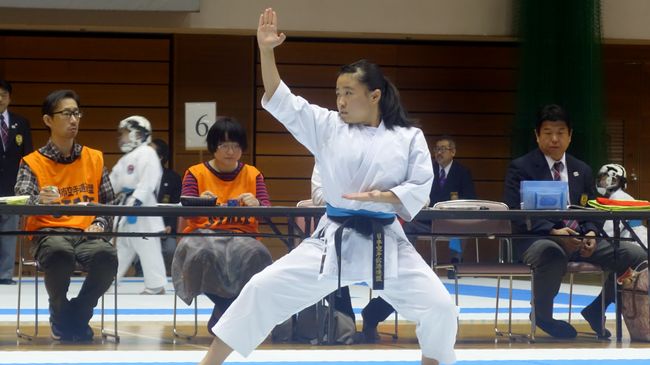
[374, 165]
[135, 178]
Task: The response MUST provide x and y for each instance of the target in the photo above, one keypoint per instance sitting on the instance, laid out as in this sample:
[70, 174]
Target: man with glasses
[452, 181]
[65, 172]
[15, 143]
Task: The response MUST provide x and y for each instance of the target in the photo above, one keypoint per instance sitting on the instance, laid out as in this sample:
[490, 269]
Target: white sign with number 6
[199, 117]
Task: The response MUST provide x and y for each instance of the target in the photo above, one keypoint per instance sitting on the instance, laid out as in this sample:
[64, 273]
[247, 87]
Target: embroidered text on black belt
[366, 226]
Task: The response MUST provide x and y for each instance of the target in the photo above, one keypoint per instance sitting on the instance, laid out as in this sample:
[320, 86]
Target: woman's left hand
[373, 196]
[248, 200]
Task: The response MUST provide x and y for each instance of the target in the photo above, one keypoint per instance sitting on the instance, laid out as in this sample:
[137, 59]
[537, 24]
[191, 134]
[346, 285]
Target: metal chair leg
[570, 295]
[603, 282]
[105, 333]
[510, 308]
[533, 316]
[396, 335]
[175, 330]
[21, 263]
[496, 312]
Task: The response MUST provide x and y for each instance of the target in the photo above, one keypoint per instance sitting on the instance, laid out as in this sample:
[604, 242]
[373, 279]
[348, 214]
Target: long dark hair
[390, 106]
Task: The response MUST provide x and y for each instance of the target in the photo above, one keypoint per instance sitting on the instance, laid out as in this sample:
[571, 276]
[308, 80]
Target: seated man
[549, 256]
[219, 267]
[65, 172]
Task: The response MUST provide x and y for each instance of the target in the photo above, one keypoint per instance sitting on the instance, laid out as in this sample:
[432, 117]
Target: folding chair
[504, 267]
[182, 223]
[586, 268]
[32, 262]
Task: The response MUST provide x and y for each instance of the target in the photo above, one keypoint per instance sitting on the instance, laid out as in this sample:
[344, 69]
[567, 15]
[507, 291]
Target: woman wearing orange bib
[219, 267]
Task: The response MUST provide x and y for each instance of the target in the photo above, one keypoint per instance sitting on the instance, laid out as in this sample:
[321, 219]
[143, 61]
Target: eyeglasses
[442, 149]
[233, 146]
[67, 114]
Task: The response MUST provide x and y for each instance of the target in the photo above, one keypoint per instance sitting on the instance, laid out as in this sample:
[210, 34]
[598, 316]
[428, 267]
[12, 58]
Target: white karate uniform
[140, 171]
[637, 227]
[351, 158]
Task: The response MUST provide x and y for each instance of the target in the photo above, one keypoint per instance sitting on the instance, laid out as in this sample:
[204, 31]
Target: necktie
[557, 170]
[443, 178]
[4, 133]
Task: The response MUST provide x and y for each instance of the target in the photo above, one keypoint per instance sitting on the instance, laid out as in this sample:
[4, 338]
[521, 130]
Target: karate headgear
[613, 177]
[139, 132]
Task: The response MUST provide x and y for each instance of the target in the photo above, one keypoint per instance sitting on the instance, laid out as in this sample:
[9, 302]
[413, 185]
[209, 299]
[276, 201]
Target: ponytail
[390, 106]
[392, 111]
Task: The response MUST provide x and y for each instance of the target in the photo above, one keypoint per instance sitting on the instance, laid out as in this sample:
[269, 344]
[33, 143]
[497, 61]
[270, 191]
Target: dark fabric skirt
[216, 265]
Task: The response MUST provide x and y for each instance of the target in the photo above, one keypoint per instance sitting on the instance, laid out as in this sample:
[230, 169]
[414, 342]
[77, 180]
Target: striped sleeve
[190, 185]
[261, 193]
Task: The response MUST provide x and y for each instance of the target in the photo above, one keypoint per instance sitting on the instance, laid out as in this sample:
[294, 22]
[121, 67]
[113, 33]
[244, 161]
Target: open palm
[267, 30]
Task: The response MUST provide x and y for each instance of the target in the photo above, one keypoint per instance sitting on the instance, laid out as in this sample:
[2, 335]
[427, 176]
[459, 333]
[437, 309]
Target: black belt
[366, 226]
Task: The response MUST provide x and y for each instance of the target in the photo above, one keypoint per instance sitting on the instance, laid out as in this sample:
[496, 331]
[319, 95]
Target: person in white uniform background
[135, 178]
[374, 165]
[611, 183]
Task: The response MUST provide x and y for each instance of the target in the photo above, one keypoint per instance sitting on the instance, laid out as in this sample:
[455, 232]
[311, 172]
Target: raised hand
[267, 31]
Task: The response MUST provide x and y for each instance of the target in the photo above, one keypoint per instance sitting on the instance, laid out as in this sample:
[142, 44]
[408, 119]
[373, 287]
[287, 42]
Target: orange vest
[245, 182]
[78, 181]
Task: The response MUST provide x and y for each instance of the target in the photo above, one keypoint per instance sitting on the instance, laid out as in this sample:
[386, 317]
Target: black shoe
[7, 282]
[368, 334]
[58, 333]
[83, 334]
[214, 318]
[557, 328]
[451, 274]
[592, 314]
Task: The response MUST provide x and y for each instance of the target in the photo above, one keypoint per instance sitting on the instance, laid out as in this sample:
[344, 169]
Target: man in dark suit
[15, 142]
[549, 256]
[451, 181]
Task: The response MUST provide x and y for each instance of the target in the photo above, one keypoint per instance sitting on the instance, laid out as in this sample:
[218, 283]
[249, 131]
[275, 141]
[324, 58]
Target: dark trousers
[376, 311]
[220, 303]
[58, 257]
[549, 262]
[343, 302]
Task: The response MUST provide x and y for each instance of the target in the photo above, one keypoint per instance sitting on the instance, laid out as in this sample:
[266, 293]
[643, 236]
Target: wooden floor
[158, 336]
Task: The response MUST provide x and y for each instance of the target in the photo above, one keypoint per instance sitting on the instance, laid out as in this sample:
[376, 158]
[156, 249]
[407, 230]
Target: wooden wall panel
[212, 68]
[115, 76]
[104, 118]
[96, 94]
[77, 46]
[465, 90]
[81, 71]
[431, 123]
[335, 53]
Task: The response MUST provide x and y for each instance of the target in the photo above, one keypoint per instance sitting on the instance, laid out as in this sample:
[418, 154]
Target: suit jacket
[169, 191]
[20, 144]
[533, 166]
[459, 180]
